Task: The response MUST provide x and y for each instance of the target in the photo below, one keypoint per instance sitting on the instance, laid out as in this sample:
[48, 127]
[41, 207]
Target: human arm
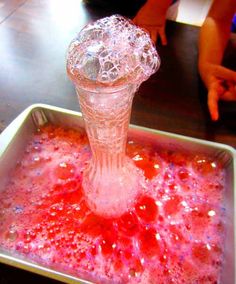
[152, 17]
[214, 36]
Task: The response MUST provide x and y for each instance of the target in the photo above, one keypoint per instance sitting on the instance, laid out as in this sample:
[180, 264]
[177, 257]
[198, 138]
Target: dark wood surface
[34, 36]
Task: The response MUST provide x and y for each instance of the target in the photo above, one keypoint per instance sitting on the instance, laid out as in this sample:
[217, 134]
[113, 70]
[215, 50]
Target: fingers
[228, 96]
[216, 90]
[213, 99]
[162, 35]
[225, 73]
[154, 35]
[220, 90]
[221, 83]
[135, 21]
[229, 93]
[154, 31]
[157, 32]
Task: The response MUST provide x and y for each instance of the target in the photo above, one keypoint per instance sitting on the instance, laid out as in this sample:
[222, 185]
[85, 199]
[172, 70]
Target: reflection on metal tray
[14, 138]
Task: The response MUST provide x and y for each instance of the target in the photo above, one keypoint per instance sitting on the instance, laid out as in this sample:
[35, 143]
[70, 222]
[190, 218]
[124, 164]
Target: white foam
[112, 49]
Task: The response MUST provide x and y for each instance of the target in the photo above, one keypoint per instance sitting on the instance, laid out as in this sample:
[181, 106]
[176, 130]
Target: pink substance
[107, 62]
[173, 233]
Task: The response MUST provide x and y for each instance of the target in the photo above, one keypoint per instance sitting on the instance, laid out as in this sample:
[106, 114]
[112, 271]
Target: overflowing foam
[112, 51]
[174, 232]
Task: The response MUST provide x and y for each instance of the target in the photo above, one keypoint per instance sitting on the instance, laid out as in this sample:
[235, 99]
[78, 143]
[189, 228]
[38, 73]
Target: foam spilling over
[112, 51]
[173, 234]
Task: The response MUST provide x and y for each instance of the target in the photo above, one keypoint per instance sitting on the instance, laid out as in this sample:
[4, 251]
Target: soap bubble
[112, 51]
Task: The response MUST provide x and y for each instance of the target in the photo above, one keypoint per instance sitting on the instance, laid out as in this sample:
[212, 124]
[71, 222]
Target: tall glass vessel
[107, 62]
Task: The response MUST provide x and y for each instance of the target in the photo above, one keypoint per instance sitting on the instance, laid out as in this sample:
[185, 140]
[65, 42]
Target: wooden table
[34, 36]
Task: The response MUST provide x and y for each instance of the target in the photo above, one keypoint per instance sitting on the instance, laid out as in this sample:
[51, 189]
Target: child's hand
[221, 85]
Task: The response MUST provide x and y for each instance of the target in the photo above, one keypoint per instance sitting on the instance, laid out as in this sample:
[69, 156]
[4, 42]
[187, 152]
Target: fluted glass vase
[107, 62]
[110, 179]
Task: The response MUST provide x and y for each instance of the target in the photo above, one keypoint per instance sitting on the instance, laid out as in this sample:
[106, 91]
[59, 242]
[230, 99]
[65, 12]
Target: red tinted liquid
[173, 234]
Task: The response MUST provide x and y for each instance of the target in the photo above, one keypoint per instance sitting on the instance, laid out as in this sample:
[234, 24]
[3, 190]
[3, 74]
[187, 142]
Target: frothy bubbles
[110, 52]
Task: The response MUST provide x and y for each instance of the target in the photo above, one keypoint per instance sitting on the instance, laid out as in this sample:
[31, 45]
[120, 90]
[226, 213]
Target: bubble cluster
[112, 51]
[174, 233]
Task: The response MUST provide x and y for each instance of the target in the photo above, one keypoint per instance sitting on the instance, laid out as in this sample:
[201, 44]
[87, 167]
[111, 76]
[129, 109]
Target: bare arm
[152, 16]
[214, 35]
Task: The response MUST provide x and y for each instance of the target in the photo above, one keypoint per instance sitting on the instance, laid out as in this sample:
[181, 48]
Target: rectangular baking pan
[15, 137]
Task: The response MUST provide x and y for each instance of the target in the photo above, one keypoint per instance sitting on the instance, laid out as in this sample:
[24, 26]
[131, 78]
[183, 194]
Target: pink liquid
[173, 234]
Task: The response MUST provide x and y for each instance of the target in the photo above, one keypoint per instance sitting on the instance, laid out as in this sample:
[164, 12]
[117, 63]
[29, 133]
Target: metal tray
[14, 138]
